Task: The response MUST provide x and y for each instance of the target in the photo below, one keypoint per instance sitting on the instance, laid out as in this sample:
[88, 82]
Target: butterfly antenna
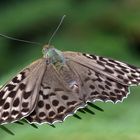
[62, 19]
[20, 40]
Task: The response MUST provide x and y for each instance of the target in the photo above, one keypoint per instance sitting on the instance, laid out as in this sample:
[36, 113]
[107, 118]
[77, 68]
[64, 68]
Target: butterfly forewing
[18, 97]
[111, 69]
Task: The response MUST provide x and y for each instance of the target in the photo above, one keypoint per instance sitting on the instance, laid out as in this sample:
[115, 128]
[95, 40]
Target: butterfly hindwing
[18, 97]
[95, 86]
[56, 102]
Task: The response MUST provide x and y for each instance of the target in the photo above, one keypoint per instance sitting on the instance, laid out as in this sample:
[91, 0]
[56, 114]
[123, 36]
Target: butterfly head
[53, 55]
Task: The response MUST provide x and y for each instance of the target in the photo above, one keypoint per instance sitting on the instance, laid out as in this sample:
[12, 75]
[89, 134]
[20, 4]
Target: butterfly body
[56, 58]
[60, 83]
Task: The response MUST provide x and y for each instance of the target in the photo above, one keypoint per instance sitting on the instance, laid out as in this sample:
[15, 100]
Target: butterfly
[57, 85]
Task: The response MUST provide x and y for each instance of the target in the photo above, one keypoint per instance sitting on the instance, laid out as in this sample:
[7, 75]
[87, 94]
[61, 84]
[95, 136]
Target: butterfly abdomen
[69, 77]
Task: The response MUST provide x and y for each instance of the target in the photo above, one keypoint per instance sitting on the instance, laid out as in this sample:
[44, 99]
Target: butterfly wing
[102, 78]
[118, 71]
[18, 97]
[56, 101]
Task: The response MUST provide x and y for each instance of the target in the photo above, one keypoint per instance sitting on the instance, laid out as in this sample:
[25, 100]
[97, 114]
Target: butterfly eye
[44, 51]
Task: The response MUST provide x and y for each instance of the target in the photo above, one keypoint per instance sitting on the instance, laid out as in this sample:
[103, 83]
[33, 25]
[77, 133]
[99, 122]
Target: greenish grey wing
[118, 71]
[18, 97]
[56, 101]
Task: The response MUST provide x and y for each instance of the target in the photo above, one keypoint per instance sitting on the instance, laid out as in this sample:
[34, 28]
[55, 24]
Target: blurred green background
[109, 28]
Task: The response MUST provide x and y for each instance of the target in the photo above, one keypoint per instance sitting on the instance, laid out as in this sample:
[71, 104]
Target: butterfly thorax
[54, 56]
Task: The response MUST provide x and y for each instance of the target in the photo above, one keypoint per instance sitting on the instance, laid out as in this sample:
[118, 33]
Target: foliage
[109, 28]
